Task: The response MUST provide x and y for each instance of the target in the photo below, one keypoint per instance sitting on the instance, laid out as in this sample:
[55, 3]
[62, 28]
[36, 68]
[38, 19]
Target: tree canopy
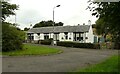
[26, 29]
[108, 14]
[47, 23]
[12, 37]
[7, 9]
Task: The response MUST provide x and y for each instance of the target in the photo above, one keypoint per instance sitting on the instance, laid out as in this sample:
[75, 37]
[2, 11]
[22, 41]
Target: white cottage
[80, 33]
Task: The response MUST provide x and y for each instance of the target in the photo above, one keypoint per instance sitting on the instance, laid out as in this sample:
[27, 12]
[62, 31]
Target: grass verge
[30, 49]
[109, 65]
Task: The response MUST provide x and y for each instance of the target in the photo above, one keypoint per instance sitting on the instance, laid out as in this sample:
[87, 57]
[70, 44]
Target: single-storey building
[79, 33]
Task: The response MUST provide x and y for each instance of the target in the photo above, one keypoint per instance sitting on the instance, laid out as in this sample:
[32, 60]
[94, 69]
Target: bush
[66, 44]
[79, 45]
[117, 45]
[46, 42]
[11, 38]
[97, 46]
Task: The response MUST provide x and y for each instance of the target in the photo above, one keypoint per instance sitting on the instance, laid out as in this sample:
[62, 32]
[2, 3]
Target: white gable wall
[84, 40]
[90, 36]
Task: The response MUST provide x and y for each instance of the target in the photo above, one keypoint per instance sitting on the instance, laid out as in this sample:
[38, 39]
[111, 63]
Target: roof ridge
[81, 28]
[62, 26]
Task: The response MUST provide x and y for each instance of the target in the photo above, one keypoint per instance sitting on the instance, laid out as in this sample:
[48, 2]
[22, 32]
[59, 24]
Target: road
[68, 61]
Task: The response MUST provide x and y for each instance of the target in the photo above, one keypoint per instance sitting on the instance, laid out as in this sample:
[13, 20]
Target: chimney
[89, 22]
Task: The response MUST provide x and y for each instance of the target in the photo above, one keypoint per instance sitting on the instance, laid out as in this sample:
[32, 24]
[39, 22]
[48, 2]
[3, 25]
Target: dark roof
[57, 29]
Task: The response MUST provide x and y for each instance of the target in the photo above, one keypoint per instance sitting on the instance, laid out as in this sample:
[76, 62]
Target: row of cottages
[80, 33]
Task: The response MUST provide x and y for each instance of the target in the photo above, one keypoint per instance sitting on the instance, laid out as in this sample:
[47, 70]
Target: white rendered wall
[84, 40]
[36, 37]
[70, 35]
[62, 35]
[90, 36]
[50, 35]
[41, 36]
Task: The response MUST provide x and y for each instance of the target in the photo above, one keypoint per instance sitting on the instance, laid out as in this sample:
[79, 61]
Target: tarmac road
[68, 61]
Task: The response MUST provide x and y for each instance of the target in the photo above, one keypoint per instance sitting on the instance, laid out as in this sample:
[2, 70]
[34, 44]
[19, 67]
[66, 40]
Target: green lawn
[109, 65]
[30, 49]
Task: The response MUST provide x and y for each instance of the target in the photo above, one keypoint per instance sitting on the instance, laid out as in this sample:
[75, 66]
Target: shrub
[96, 46]
[79, 45]
[46, 42]
[11, 38]
[66, 44]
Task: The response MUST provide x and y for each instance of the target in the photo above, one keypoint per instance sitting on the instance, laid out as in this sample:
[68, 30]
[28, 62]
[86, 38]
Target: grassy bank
[30, 49]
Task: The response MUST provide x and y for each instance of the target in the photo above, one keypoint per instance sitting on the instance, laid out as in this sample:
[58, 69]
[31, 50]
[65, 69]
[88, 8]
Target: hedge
[79, 45]
[46, 42]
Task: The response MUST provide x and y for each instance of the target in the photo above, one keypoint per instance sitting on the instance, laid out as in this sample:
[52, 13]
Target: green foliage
[30, 49]
[47, 23]
[7, 9]
[100, 26]
[93, 25]
[46, 42]
[26, 29]
[79, 45]
[11, 37]
[108, 16]
[109, 65]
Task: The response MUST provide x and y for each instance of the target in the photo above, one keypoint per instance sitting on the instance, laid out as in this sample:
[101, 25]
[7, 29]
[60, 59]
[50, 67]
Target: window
[38, 34]
[86, 37]
[66, 35]
[46, 36]
[81, 38]
[78, 36]
[30, 36]
[69, 38]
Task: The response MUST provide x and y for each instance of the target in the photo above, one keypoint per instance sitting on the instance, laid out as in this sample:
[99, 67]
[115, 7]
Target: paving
[68, 61]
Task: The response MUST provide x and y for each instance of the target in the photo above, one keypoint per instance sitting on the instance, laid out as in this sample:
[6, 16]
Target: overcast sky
[71, 12]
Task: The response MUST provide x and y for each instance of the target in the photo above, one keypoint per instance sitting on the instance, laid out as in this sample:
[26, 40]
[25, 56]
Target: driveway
[70, 60]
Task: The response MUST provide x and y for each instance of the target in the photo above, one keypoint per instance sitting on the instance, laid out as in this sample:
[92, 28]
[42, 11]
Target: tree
[108, 17]
[12, 37]
[102, 28]
[7, 9]
[59, 24]
[47, 23]
[26, 29]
